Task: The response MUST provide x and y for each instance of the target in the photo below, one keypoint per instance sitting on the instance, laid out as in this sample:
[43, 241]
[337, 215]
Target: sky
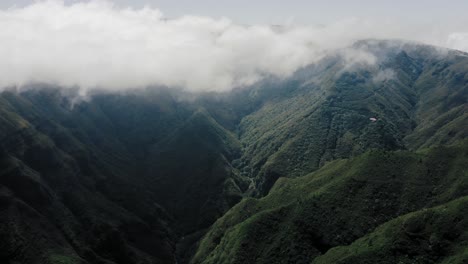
[203, 45]
[301, 11]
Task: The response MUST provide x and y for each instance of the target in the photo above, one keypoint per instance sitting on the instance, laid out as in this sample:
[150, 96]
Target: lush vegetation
[435, 235]
[304, 217]
[288, 170]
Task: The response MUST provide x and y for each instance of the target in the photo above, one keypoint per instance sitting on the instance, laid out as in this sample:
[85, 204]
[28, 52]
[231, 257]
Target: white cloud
[384, 75]
[458, 41]
[97, 44]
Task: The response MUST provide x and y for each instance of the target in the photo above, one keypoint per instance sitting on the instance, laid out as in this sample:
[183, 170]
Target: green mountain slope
[435, 235]
[194, 161]
[418, 95]
[286, 169]
[302, 218]
[135, 171]
[54, 189]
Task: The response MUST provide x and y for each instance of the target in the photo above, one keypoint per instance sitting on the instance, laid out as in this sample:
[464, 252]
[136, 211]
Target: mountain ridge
[143, 176]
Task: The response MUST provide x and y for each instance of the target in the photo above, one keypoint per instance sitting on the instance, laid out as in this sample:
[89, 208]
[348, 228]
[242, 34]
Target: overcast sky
[203, 45]
[301, 11]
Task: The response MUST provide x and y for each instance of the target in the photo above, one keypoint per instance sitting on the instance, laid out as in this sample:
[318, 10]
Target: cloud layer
[97, 44]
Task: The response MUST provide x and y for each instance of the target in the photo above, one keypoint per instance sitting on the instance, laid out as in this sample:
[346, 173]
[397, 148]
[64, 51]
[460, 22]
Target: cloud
[458, 40]
[353, 57]
[384, 75]
[99, 45]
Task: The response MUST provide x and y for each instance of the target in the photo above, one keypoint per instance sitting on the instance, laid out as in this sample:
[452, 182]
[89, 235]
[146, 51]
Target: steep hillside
[141, 176]
[118, 179]
[435, 235]
[192, 168]
[418, 95]
[304, 217]
[67, 192]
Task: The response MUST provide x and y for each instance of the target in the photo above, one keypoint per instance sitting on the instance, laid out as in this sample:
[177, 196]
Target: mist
[98, 45]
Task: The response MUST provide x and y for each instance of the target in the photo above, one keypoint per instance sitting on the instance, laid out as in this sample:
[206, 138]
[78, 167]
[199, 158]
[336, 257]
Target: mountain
[306, 168]
[133, 171]
[411, 238]
[415, 101]
[325, 109]
[305, 217]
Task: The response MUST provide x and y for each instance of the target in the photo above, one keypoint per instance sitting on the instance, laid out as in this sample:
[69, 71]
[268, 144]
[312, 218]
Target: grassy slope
[325, 116]
[324, 112]
[302, 218]
[435, 235]
[442, 112]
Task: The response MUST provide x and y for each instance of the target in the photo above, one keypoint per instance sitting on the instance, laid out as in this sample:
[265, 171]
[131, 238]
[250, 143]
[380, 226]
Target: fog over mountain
[97, 44]
[129, 135]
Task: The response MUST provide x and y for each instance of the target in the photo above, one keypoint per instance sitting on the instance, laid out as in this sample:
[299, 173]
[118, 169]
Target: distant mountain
[418, 96]
[372, 138]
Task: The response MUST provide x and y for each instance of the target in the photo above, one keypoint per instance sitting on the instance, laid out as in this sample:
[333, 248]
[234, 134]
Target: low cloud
[384, 75]
[99, 45]
[458, 41]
